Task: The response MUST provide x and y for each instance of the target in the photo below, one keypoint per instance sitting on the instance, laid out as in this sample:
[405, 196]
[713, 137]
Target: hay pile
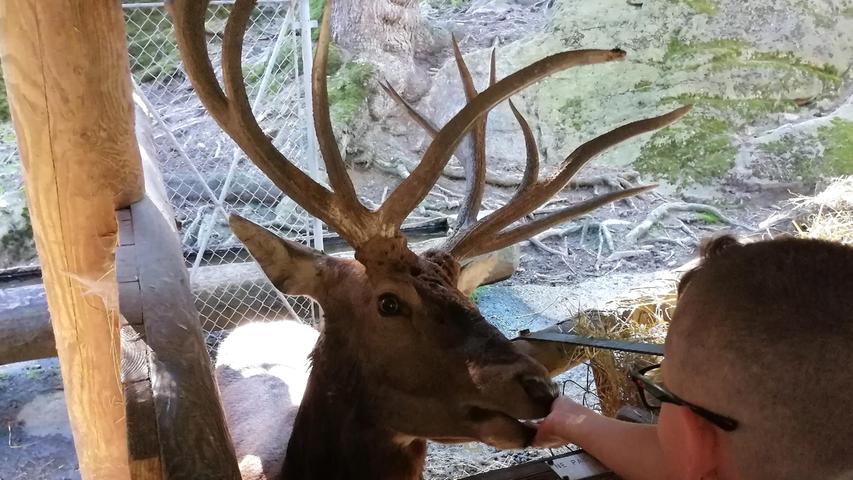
[827, 215]
[644, 319]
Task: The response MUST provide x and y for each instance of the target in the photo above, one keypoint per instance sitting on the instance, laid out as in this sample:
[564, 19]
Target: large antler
[232, 111]
[473, 237]
[340, 208]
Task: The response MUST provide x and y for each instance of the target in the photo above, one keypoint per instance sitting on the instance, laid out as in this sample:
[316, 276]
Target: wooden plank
[130, 302]
[134, 356]
[141, 419]
[538, 470]
[146, 469]
[66, 70]
[527, 471]
[194, 439]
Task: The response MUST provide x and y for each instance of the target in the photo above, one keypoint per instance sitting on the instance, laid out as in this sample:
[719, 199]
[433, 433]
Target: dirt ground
[36, 438]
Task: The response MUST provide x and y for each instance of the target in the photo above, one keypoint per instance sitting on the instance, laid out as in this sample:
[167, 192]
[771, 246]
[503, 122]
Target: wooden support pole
[66, 70]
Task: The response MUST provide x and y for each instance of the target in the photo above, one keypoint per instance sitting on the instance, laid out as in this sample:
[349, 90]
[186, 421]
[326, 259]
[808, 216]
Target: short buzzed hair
[763, 333]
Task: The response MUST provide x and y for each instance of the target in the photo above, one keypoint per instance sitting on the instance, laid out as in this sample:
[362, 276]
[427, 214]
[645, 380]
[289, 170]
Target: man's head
[763, 333]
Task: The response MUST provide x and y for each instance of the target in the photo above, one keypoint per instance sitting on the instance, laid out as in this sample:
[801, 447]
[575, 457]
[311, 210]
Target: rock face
[747, 67]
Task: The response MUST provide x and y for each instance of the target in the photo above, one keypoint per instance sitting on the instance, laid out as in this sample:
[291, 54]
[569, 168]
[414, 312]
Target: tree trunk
[381, 32]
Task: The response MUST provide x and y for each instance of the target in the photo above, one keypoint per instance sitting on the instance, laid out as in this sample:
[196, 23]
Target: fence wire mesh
[207, 175]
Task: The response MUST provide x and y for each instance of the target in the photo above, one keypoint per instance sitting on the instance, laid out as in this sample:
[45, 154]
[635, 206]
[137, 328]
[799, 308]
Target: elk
[404, 355]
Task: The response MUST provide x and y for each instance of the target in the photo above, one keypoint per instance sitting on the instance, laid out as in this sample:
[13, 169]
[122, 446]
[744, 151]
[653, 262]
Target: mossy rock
[807, 153]
[348, 90]
[743, 65]
[695, 150]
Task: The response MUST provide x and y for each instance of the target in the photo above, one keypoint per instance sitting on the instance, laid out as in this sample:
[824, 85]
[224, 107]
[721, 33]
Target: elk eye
[389, 304]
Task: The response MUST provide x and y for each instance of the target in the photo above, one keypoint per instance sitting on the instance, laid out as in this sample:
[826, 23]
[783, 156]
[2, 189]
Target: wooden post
[66, 70]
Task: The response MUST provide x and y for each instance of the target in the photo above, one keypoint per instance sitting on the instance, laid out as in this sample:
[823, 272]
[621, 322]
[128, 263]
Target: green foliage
[4, 102]
[152, 49]
[18, 242]
[697, 149]
[316, 8]
[791, 157]
[837, 141]
[316, 12]
[287, 54]
[348, 90]
[708, 217]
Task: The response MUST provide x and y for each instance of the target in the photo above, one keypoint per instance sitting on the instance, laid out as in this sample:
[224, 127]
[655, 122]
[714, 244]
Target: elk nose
[541, 391]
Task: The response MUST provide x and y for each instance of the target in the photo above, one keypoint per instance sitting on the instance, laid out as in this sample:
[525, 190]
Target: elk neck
[337, 433]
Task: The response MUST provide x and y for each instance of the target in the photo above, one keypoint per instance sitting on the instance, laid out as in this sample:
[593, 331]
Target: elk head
[432, 366]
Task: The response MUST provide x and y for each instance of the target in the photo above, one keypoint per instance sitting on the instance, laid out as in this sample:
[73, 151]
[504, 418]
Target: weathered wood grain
[194, 440]
[66, 70]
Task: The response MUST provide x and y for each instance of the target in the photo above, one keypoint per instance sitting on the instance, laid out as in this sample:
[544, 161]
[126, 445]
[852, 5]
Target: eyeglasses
[653, 394]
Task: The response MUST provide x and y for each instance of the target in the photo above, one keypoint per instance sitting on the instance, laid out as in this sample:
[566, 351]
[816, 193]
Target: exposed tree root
[663, 211]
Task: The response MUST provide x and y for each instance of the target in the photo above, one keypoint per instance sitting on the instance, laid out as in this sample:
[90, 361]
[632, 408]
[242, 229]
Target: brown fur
[380, 384]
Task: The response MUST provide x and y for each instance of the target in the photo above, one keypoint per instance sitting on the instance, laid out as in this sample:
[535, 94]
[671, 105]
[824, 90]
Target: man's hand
[556, 429]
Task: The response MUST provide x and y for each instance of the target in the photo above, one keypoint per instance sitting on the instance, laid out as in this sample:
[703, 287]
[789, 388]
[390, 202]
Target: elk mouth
[499, 429]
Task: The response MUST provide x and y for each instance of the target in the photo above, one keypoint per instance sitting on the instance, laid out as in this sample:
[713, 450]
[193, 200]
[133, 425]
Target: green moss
[706, 7]
[719, 50]
[316, 8]
[697, 149]
[790, 158]
[826, 72]
[18, 242]
[348, 90]
[708, 217]
[740, 110]
[643, 86]
[847, 12]
[287, 55]
[4, 102]
[571, 111]
[837, 141]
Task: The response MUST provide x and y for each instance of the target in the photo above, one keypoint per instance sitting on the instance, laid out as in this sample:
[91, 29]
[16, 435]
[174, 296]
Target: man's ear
[293, 268]
[699, 444]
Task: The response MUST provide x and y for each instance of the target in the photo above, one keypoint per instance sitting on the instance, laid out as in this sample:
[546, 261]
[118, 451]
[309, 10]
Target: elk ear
[292, 267]
[489, 268]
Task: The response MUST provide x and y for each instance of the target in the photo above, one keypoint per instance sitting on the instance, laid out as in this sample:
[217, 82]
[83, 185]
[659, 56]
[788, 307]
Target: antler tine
[424, 122]
[475, 143]
[413, 189]
[335, 167]
[540, 192]
[539, 225]
[233, 113]
[531, 167]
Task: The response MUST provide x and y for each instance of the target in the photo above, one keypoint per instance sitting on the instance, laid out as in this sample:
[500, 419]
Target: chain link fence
[207, 175]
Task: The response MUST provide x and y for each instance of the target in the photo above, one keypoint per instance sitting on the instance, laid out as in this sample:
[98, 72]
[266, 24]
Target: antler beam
[467, 242]
[413, 189]
[232, 111]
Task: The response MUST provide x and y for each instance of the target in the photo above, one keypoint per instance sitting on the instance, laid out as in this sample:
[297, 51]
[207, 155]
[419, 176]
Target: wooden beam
[67, 75]
[193, 436]
[25, 332]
